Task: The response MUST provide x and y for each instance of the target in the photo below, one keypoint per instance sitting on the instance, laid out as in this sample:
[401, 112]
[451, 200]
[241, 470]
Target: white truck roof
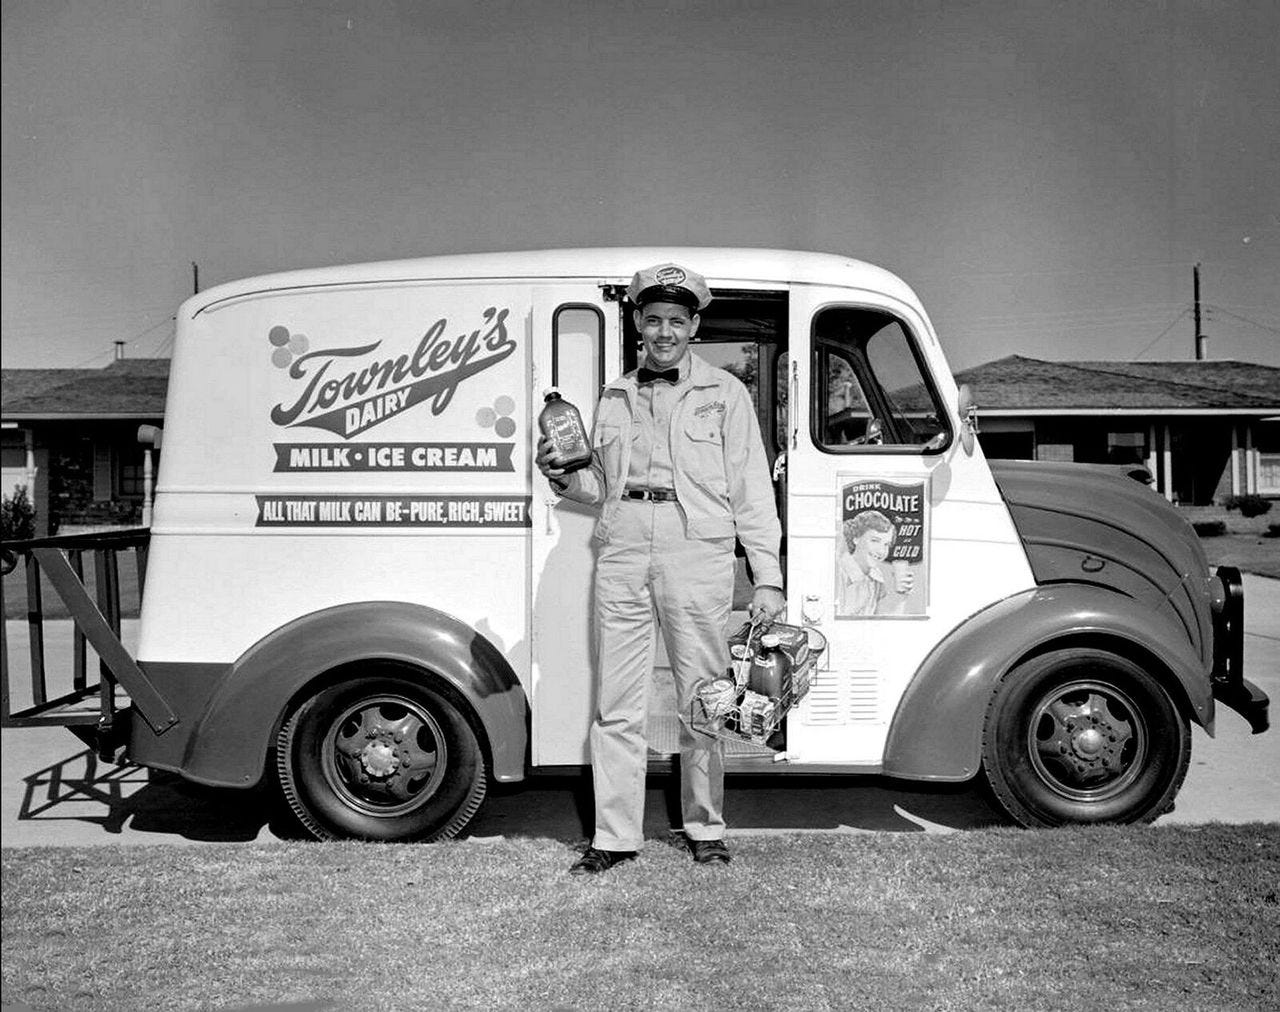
[722, 267]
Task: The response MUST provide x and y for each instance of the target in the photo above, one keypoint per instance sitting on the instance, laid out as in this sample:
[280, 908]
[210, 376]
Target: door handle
[793, 405]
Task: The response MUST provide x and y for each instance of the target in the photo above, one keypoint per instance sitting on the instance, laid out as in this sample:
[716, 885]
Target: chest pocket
[704, 440]
[705, 432]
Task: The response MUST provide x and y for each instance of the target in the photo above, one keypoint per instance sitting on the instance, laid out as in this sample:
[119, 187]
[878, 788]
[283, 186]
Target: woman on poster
[868, 585]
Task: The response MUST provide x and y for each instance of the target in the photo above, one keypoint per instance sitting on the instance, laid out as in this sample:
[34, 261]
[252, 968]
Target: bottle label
[565, 434]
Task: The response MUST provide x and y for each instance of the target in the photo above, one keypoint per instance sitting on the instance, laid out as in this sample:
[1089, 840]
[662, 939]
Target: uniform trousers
[650, 570]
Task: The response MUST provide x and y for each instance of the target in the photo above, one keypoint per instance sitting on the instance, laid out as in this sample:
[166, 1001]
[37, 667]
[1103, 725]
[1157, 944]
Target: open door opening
[745, 333]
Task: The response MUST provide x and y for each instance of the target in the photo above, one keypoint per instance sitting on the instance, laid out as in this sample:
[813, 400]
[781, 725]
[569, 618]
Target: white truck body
[356, 571]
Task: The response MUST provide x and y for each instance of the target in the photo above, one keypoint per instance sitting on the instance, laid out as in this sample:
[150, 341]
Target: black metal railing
[60, 562]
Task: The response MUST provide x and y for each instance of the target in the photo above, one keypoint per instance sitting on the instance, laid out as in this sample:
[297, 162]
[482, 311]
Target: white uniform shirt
[651, 465]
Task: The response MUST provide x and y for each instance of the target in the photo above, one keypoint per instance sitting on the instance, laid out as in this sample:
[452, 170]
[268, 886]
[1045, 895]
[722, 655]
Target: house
[1204, 429]
[71, 437]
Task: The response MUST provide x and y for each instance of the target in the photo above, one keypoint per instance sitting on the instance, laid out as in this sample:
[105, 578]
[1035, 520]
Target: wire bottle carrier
[727, 707]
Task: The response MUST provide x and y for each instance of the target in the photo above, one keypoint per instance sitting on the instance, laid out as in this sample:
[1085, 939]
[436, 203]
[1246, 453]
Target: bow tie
[671, 376]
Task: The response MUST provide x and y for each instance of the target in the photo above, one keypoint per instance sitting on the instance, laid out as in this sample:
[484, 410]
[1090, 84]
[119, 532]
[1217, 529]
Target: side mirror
[968, 419]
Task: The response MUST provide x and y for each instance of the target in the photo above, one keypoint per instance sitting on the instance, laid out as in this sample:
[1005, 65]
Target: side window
[577, 355]
[870, 388]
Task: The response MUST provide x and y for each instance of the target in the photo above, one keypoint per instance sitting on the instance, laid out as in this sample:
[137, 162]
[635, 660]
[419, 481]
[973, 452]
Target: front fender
[936, 733]
[232, 735]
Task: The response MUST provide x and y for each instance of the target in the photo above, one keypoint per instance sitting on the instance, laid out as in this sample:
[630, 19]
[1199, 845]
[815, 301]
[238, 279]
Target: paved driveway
[55, 793]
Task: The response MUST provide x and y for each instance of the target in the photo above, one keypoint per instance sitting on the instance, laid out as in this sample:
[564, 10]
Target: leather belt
[650, 494]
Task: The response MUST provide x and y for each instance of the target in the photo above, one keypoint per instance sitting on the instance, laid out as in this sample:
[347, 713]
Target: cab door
[896, 531]
[574, 333]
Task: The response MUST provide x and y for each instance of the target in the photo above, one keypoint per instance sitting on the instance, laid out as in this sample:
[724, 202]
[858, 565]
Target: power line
[144, 333]
[109, 353]
[165, 344]
[1150, 344]
[91, 359]
[1130, 309]
[1244, 319]
[1106, 270]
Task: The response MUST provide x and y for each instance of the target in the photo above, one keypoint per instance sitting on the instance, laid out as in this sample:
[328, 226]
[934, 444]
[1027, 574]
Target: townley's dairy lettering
[343, 404]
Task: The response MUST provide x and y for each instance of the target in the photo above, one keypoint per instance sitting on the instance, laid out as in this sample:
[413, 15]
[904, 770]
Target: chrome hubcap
[1087, 740]
[384, 755]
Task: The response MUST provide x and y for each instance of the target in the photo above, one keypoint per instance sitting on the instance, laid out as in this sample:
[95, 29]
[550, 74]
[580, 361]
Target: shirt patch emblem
[708, 409]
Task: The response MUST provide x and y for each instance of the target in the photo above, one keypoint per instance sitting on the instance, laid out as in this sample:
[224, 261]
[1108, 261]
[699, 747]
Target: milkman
[678, 470]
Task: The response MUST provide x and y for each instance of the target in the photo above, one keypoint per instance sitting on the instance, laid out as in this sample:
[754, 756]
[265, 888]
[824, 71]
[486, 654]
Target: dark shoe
[710, 851]
[594, 861]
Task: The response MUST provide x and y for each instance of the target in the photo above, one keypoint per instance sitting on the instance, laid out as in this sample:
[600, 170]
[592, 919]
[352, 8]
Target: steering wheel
[874, 434]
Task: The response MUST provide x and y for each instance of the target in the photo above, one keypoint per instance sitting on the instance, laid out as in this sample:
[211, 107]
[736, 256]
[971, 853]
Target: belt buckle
[650, 494]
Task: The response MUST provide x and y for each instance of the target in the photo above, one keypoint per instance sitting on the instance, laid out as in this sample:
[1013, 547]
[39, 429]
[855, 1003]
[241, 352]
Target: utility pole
[1201, 340]
[195, 282]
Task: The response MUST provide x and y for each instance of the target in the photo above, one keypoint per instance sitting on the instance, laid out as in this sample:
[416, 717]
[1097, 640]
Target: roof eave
[78, 416]
[1047, 412]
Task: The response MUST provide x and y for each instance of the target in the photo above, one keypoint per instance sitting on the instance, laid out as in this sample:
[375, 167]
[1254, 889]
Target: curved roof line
[723, 267]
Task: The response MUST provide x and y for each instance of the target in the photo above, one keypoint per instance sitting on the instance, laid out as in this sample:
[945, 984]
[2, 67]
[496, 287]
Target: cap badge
[669, 276]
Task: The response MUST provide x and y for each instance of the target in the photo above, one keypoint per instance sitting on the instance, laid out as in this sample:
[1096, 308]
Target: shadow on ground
[124, 801]
[83, 790]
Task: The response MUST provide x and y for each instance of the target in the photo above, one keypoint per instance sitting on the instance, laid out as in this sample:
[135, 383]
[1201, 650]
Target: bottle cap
[550, 392]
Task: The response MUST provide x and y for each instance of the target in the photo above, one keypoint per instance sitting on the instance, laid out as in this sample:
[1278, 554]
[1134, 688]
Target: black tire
[1084, 736]
[381, 758]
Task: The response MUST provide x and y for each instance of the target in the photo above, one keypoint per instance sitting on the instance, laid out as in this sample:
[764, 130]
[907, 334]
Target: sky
[1043, 174]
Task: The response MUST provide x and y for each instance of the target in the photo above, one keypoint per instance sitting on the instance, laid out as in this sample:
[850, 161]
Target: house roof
[135, 388]
[127, 388]
[1017, 383]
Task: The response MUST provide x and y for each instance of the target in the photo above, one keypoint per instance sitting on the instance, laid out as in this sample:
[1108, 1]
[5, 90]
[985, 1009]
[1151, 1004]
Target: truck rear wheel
[381, 758]
[1084, 736]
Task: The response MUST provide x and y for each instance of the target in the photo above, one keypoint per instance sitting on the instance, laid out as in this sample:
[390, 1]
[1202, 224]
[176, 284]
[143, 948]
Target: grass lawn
[1243, 546]
[1131, 917]
[15, 591]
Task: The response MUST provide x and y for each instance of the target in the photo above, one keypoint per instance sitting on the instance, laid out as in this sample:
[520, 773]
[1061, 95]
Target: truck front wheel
[381, 758]
[1084, 736]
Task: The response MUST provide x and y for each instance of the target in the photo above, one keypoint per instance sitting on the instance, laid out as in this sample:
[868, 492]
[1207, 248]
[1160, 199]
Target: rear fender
[238, 725]
[936, 733]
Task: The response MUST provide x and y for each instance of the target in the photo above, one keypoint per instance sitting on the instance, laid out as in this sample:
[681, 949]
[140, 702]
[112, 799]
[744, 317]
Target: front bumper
[1230, 687]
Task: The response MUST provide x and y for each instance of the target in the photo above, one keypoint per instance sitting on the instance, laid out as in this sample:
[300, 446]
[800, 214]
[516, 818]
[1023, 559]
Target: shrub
[18, 519]
[1210, 528]
[1248, 505]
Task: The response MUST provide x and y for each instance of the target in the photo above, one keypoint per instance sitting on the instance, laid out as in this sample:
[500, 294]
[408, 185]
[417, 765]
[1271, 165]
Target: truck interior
[744, 332]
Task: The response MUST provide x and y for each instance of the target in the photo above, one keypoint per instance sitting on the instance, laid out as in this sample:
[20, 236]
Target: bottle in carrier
[769, 668]
[560, 422]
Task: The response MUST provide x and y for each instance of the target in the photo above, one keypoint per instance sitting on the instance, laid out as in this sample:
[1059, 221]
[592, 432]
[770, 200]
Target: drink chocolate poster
[882, 548]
